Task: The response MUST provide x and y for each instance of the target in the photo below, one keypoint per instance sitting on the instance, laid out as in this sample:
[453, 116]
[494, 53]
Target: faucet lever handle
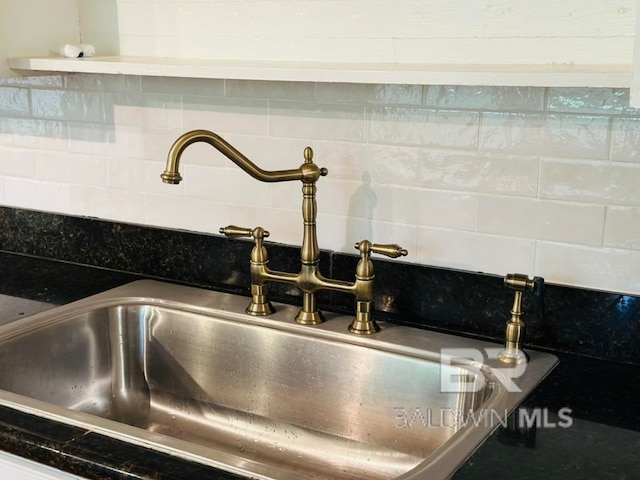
[392, 250]
[233, 231]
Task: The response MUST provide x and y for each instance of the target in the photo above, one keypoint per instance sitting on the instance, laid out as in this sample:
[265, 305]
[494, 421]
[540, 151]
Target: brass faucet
[309, 280]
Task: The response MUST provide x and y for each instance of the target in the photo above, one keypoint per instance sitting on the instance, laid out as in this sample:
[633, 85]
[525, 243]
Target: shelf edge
[499, 75]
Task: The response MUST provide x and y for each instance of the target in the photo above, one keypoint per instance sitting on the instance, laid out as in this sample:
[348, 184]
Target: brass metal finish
[309, 280]
[363, 323]
[513, 354]
[260, 304]
[172, 175]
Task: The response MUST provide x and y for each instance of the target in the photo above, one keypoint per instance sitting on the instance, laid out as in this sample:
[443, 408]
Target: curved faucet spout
[308, 172]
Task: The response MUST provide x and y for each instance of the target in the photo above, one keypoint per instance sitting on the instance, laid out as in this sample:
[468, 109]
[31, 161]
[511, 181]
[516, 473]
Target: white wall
[36, 27]
[539, 181]
[389, 31]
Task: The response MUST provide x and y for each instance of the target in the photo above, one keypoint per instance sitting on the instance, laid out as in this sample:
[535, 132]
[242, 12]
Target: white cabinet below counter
[17, 468]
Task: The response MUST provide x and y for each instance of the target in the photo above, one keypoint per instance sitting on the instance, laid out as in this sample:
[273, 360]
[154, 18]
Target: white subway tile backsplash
[388, 203]
[37, 195]
[479, 172]
[406, 205]
[42, 81]
[127, 173]
[14, 101]
[186, 213]
[421, 126]
[452, 173]
[119, 141]
[340, 234]
[340, 158]
[575, 136]
[369, 94]
[66, 167]
[283, 225]
[102, 83]
[158, 141]
[33, 133]
[296, 91]
[597, 268]
[416, 206]
[625, 141]
[589, 100]
[112, 204]
[512, 99]
[83, 133]
[201, 87]
[68, 105]
[155, 110]
[474, 251]
[540, 219]
[622, 227]
[225, 115]
[124, 109]
[389, 164]
[162, 111]
[232, 186]
[386, 164]
[316, 121]
[17, 162]
[612, 185]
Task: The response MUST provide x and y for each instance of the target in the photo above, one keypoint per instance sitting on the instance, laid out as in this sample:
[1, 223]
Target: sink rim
[397, 339]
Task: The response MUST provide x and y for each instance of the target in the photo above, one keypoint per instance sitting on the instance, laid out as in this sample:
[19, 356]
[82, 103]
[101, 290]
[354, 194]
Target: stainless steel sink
[185, 371]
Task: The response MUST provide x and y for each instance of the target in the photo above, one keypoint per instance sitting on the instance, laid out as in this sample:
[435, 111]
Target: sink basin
[186, 371]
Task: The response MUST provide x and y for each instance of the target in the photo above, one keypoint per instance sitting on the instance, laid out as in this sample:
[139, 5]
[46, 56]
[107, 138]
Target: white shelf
[420, 74]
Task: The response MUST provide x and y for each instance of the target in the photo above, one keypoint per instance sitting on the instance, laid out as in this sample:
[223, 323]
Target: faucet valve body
[363, 323]
[260, 304]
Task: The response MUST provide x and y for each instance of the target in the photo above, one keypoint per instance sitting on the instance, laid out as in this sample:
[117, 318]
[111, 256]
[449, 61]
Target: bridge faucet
[309, 280]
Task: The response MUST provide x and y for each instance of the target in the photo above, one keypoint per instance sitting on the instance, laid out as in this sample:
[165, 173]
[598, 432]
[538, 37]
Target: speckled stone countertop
[603, 441]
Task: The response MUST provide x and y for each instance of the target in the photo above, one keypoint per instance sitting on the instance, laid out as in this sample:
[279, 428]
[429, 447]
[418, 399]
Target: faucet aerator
[171, 177]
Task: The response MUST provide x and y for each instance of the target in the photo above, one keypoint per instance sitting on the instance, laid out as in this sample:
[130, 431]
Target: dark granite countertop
[602, 442]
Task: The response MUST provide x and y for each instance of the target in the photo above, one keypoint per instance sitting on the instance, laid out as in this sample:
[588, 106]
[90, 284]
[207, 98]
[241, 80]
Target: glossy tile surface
[457, 160]
[485, 98]
[542, 220]
[616, 185]
[421, 126]
[626, 140]
[474, 172]
[622, 227]
[14, 101]
[577, 136]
